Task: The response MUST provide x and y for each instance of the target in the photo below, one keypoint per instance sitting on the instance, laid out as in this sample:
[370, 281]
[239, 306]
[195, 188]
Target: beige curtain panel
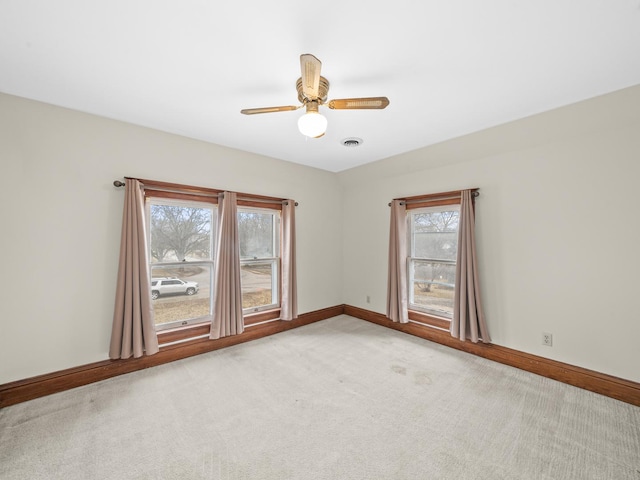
[468, 318]
[133, 331]
[397, 304]
[227, 306]
[289, 305]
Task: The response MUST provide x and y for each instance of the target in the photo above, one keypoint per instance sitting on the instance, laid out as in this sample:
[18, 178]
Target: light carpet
[338, 399]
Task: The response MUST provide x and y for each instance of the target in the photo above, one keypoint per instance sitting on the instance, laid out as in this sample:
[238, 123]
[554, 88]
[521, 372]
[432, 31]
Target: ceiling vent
[351, 142]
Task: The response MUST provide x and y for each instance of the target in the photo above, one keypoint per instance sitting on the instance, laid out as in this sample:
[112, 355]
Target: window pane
[433, 286]
[259, 280]
[256, 234]
[180, 292]
[435, 235]
[432, 269]
[180, 233]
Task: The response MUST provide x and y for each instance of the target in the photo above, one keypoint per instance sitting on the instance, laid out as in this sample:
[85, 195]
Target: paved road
[250, 282]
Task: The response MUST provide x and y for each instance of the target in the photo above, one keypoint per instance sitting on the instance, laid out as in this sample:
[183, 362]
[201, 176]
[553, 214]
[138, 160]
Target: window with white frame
[181, 230]
[431, 268]
[181, 254]
[259, 238]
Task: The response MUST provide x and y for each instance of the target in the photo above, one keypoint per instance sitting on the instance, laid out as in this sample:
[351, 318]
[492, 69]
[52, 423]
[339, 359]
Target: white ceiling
[188, 66]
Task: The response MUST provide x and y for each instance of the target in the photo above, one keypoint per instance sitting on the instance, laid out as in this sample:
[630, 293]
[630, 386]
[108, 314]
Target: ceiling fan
[312, 92]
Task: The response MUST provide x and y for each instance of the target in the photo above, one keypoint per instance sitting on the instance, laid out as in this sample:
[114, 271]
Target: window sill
[430, 320]
[260, 317]
[180, 334]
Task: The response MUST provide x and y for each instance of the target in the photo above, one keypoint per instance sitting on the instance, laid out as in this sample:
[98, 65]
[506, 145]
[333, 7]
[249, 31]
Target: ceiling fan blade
[359, 103]
[253, 111]
[310, 67]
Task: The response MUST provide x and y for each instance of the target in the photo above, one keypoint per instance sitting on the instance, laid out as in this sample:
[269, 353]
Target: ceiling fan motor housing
[323, 91]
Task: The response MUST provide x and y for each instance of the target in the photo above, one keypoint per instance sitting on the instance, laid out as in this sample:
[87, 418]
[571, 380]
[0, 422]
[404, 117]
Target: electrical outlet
[368, 299]
[547, 339]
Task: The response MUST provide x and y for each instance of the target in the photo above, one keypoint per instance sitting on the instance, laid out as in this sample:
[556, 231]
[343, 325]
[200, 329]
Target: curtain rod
[118, 183]
[474, 194]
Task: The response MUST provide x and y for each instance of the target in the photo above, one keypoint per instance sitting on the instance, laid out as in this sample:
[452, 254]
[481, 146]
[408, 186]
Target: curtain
[227, 300]
[289, 306]
[133, 331]
[397, 278]
[468, 318]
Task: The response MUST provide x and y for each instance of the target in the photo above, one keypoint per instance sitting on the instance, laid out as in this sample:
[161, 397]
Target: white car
[166, 286]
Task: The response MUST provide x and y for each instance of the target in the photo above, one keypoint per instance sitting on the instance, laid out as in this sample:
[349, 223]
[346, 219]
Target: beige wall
[61, 220]
[558, 228]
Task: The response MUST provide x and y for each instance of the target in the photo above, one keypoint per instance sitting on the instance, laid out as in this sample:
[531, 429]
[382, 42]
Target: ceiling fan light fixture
[312, 124]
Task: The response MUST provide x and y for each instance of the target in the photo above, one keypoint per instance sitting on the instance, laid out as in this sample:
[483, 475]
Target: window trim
[158, 188]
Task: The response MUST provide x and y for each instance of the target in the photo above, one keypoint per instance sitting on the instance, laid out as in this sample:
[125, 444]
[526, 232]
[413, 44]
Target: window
[181, 250]
[431, 264]
[181, 226]
[426, 234]
[259, 237]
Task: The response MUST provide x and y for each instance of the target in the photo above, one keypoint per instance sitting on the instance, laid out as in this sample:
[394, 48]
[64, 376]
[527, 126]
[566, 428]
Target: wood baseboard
[614, 387]
[28, 389]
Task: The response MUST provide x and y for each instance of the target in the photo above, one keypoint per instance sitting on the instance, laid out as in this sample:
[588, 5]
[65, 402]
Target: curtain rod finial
[118, 183]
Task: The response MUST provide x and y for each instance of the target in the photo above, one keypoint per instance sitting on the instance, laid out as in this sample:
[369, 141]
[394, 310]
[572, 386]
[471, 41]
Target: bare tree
[185, 231]
[255, 232]
[436, 239]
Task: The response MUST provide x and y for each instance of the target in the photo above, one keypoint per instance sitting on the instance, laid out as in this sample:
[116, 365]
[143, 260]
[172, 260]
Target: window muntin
[431, 265]
[181, 251]
[259, 239]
